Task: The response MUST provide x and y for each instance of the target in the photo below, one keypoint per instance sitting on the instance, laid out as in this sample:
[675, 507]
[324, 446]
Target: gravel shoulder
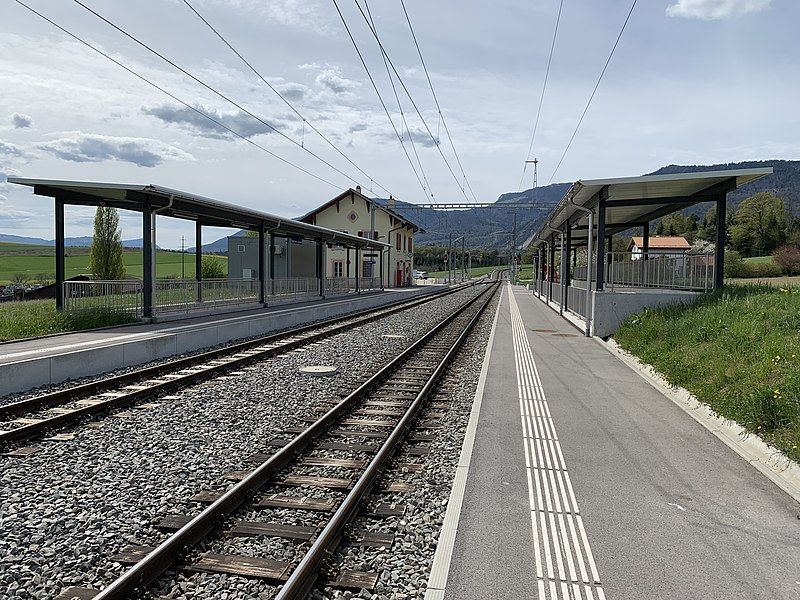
[65, 510]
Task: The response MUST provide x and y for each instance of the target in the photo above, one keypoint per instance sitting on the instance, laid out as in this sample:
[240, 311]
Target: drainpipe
[150, 268]
[272, 259]
[589, 309]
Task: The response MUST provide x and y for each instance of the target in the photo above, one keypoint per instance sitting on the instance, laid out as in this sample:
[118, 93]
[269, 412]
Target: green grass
[737, 350]
[759, 259]
[40, 317]
[33, 260]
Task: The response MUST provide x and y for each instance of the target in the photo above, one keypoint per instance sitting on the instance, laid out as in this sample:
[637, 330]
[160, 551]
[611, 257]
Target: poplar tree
[105, 258]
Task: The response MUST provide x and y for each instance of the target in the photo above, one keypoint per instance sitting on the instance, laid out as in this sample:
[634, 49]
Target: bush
[734, 264]
[788, 259]
[761, 269]
[212, 268]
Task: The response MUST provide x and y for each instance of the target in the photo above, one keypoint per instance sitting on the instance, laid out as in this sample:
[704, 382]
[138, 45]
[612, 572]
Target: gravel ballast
[66, 509]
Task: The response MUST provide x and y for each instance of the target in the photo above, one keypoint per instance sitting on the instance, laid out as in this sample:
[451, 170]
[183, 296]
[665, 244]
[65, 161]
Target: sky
[691, 82]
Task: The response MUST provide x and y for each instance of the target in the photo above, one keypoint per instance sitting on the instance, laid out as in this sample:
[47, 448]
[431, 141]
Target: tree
[788, 259]
[43, 278]
[660, 228]
[212, 268]
[105, 256]
[760, 225]
[19, 278]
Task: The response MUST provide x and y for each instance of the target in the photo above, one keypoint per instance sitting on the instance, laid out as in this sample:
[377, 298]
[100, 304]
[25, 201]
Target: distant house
[659, 245]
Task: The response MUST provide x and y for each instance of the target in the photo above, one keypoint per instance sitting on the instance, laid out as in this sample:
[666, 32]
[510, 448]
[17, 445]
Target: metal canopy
[184, 205]
[634, 201]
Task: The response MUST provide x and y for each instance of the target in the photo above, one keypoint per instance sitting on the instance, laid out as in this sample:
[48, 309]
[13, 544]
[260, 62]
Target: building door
[399, 275]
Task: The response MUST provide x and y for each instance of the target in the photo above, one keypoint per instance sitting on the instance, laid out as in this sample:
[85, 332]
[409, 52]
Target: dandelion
[777, 394]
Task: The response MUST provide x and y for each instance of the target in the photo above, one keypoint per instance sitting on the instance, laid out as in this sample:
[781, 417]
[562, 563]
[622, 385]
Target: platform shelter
[610, 285]
[152, 297]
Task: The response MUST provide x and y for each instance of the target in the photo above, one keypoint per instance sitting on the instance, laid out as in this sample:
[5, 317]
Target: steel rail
[171, 550]
[305, 574]
[75, 393]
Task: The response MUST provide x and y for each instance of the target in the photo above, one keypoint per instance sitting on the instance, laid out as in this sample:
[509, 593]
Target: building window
[410, 243]
[370, 235]
[240, 248]
[398, 242]
[368, 268]
[404, 243]
[338, 268]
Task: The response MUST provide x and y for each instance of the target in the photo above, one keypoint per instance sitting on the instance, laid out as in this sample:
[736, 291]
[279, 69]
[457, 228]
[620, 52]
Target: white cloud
[21, 121]
[10, 215]
[237, 120]
[10, 149]
[331, 78]
[88, 147]
[715, 9]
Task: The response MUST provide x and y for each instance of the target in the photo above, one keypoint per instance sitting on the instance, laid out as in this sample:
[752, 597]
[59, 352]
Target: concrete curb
[771, 462]
[440, 569]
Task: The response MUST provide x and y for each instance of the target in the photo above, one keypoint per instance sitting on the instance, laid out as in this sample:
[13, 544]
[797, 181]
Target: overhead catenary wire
[411, 98]
[402, 113]
[594, 91]
[541, 97]
[305, 120]
[213, 90]
[436, 99]
[173, 96]
[380, 97]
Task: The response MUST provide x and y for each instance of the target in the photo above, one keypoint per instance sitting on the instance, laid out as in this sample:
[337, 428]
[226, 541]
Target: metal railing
[677, 271]
[186, 295]
[339, 286]
[292, 289]
[117, 295]
[370, 283]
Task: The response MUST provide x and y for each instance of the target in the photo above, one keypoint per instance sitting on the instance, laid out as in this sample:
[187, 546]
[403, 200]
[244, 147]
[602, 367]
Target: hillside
[71, 242]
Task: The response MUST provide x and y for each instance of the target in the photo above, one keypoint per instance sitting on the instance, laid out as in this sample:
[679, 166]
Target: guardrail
[186, 295]
[292, 289]
[117, 295]
[677, 272]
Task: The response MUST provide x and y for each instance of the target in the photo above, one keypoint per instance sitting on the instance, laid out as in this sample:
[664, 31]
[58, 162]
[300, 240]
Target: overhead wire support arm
[541, 97]
[173, 96]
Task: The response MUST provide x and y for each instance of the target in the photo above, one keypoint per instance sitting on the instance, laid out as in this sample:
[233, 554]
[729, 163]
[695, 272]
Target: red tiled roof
[663, 242]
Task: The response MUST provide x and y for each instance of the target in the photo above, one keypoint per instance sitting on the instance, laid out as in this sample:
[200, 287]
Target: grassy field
[40, 317]
[782, 281]
[33, 260]
[738, 351]
[760, 259]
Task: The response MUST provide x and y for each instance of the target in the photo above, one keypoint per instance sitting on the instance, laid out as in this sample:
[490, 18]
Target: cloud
[331, 78]
[10, 149]
[21, 121]
[358, 127]
[238, 121]
[88, 147]
[292, 91]
[715, 9]
[10, 215]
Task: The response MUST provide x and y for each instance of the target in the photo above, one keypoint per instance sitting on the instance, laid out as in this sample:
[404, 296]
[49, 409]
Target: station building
[354, 213]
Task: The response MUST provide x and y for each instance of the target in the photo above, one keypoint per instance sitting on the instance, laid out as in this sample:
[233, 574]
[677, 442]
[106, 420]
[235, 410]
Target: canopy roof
[635, 201]
[184, 205]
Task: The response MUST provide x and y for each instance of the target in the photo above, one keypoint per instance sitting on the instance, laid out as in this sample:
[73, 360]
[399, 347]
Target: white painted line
[554, 510]
[768, 460]
[440, 568]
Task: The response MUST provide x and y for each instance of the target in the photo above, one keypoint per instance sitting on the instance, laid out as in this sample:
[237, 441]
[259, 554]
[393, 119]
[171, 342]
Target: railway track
[25, 420]
[368, 427]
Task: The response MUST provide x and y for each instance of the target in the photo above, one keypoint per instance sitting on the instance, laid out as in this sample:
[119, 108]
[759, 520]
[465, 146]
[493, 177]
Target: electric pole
[449, 257]
[535, 162]
[514, 251]
[183, 267]
[463, 257]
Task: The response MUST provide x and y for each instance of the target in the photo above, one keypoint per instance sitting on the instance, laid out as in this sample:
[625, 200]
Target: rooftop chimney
[358, 189]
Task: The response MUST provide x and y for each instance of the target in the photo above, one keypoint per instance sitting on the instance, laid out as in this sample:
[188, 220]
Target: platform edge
[440, 569]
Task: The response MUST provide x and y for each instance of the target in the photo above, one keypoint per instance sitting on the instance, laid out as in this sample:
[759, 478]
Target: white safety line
[558, 532]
